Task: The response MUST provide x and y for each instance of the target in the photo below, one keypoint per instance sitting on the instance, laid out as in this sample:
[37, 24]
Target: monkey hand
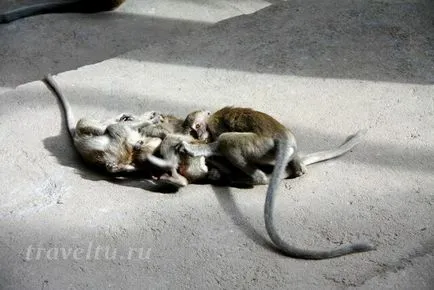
[126, 117]
[185, 148]
[300, 170]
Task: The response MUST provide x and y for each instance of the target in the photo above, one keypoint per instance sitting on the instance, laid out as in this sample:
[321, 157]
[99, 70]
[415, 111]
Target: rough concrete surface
[324, 69]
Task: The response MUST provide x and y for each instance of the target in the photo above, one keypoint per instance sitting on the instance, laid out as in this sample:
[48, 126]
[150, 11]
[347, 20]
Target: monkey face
[196, 123]
[199, 130]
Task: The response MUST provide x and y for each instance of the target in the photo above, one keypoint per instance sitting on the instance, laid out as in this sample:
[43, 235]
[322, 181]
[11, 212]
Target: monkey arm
[162, 163]
[93, 127]
[124, 117]
[90, 127]
[154, 131]
[195, 150]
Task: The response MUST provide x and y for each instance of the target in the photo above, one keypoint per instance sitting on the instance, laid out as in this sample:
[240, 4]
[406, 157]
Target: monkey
[168, 124]
[197, 170]
[113, 145]
[73, 6]
[184, 169]
[244, 136]
[307, 159]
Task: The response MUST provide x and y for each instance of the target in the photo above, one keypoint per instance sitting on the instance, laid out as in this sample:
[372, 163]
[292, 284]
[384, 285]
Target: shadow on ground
[331, 39]
[367, 40]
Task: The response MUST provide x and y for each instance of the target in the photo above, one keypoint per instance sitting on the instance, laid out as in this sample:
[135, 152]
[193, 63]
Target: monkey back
[230, 119]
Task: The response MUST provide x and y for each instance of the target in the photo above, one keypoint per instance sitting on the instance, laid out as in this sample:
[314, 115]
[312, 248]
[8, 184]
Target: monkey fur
[113, 145]
[184, 169]
[244, 137]
[73, 6]
[216, 169]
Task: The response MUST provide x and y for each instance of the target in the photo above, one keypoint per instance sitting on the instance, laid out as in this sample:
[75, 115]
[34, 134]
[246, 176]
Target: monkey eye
[197, 126]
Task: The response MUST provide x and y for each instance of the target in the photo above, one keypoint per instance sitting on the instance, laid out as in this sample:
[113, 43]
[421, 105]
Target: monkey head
[196, 123]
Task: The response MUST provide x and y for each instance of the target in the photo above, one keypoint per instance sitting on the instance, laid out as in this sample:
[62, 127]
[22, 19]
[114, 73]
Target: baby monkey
[78, 6]
[184, 169]
[114, 145]
[246, 137]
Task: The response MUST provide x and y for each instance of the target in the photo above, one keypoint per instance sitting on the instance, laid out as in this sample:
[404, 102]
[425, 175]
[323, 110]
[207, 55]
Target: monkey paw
[259, 178]
[126, 117]
[179, 181]
[153, 117]
[112, 167]
[301, 170]
[184, 147]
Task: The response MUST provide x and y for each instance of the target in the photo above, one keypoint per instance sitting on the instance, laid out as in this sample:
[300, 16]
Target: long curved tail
[285, 151]
[69, 116]
[320, 156]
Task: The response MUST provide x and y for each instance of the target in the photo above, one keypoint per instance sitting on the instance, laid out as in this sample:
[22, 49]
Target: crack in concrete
[427, 248]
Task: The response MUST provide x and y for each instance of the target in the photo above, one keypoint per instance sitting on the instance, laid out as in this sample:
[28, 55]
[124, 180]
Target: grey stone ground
[325, 70]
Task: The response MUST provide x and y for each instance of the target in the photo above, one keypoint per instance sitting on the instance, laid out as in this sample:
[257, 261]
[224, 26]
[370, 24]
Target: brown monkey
[73, 6]
[184, 168]
[244, 137]
[113, 145]
[306, 160]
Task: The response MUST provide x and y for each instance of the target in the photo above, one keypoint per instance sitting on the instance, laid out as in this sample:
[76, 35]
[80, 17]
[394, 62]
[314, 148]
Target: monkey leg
[295, 167]
[257, 175]
[222, 172]
[242, 148]
[175, 178]
[90, 127]
[219, 166]
[118, 130]
[97, 128]
[197, 150]
[145, 148]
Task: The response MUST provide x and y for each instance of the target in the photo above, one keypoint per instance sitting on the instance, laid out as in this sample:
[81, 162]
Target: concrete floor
[324, 69]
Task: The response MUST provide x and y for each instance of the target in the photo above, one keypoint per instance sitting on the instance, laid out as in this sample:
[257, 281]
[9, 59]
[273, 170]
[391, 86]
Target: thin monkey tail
[349, 143]
[69, 116]
[285, 152]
